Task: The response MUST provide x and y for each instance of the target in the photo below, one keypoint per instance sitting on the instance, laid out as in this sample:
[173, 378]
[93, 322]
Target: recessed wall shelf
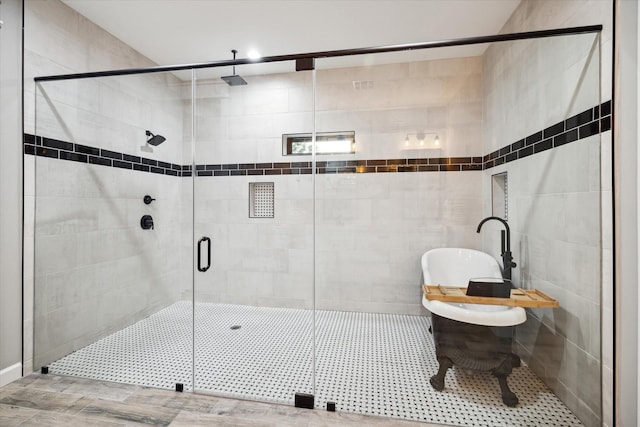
[261, 200]
[500, 195]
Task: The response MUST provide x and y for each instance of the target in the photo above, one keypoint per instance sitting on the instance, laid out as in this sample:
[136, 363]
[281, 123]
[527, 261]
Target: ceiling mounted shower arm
[234, 79]
[234, 51]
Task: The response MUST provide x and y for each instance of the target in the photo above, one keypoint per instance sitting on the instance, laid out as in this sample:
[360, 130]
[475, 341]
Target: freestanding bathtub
[471, 336]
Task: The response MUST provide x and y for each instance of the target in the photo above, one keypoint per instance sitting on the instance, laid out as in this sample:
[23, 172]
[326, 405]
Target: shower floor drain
[373, 364]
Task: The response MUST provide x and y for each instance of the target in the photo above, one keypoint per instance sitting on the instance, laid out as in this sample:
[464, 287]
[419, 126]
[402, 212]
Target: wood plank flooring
[51, 400]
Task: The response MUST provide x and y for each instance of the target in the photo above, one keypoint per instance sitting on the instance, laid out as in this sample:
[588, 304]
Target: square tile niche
[499, 196]
[261, 200]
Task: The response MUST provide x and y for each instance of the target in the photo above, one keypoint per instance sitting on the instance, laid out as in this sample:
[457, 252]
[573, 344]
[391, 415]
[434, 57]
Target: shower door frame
[305, 62]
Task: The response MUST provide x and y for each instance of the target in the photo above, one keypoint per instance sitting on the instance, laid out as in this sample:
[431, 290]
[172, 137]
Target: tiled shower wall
[371, 228]
[558, 214]
[97, 270]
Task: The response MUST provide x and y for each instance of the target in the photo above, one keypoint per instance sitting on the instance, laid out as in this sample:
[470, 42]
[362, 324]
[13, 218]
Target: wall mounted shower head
[154, 139]
[234, 80]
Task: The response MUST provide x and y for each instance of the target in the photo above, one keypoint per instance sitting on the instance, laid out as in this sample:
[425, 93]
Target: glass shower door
[253, 235]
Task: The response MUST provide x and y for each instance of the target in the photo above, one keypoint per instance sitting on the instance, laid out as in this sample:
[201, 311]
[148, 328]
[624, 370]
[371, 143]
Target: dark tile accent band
[86, 154]
[54, 143]
[75, 157]
[123, 165]
[110, 154]
[100, 161]
[532, 139]
[87, 150]
[577, 127]
[582, 125]
[53, 148]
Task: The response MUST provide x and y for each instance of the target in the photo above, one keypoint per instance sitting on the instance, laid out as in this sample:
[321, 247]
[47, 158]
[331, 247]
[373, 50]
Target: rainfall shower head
[234, 80]
[154, 139]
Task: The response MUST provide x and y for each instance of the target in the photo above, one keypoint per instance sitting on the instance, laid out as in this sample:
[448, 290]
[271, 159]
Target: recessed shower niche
[261, 199]
[500, 195]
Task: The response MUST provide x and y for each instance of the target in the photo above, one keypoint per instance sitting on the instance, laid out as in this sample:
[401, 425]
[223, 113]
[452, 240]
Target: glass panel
[254, 305]
[431, 129]
[113, 257]
[542, 101]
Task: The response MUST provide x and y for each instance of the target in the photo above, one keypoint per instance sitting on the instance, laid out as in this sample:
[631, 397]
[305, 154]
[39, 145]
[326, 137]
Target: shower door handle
[200, 242]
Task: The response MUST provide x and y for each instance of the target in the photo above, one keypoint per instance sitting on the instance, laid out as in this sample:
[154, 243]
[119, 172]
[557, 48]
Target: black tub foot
[509, 398]
[515, 360]
[437, 381]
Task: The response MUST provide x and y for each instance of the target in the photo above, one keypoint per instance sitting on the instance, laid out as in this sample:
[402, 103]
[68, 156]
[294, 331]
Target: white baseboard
[10, 374]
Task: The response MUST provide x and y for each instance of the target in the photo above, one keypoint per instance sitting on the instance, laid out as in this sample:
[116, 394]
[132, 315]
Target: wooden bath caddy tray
[531, 298]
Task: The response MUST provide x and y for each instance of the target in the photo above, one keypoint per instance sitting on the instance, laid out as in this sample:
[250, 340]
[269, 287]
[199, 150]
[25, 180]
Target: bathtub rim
[498, 316]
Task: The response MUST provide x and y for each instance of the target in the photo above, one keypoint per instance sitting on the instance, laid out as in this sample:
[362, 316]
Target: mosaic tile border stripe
[56, 149]
[344, 166]
[585, 124]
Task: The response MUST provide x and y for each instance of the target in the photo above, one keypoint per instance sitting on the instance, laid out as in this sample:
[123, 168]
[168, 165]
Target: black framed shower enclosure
[265, 274]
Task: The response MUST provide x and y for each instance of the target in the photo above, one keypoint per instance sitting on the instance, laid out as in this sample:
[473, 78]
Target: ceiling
[190, 31]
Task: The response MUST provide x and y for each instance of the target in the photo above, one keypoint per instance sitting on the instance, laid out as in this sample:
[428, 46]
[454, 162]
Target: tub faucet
[507, 258]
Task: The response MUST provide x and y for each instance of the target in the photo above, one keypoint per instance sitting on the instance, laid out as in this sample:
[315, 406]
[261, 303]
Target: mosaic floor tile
[368, 363]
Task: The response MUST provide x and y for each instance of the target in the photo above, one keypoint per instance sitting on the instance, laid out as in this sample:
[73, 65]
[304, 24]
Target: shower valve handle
[148, 199]
[146, 222]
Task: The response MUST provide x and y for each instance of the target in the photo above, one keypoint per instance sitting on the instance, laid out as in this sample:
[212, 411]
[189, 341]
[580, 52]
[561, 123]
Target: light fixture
[253, 54]
[422, 138]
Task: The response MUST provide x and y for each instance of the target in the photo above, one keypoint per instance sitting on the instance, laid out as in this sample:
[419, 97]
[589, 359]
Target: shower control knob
[146, 222]
[148, 199]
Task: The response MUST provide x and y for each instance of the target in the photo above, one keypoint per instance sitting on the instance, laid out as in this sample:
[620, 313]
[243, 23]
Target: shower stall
[269, 246]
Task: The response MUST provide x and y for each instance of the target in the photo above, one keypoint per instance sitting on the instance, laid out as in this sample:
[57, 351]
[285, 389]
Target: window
[326, 143]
